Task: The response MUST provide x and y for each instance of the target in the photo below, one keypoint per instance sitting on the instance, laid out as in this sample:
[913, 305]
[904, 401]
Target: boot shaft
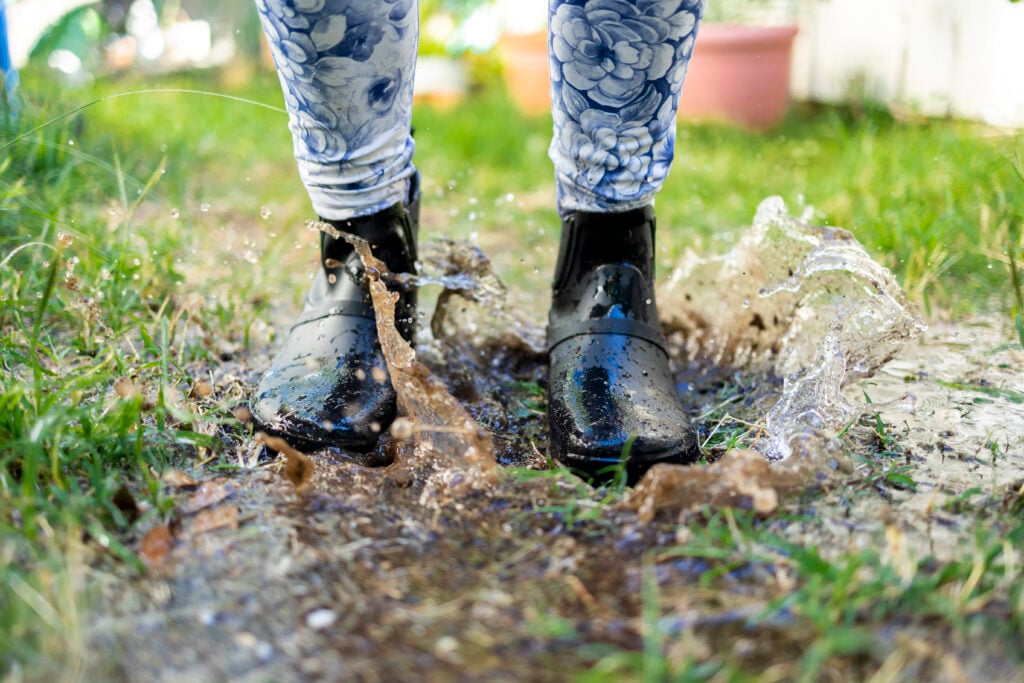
[605, 267]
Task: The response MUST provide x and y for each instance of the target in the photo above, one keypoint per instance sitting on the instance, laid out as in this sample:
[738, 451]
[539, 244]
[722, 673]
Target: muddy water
[442, 566]
[802, 304]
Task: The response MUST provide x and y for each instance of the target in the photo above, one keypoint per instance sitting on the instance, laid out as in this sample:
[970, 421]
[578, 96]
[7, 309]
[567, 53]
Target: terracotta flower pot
[739, 74]
[524, 58]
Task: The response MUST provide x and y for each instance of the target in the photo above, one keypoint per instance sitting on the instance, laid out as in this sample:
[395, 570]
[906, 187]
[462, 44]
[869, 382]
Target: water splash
[801, 302]
[446, 438]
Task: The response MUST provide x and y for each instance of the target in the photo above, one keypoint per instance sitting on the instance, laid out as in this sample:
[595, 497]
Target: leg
[346, 68]
[617, 70]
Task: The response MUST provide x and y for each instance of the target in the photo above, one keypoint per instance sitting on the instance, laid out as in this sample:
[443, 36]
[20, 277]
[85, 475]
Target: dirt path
[397, 574]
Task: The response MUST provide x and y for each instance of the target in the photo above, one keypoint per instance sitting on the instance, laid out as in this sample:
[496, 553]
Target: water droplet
[64, 239]
[265, 211]
[71, 143]
[401, 428]
[522, 259]
[537, 270]
[204, 207]
[332, 278]
[509, 197]
[648, 302]
[175, 213]
[746, 303]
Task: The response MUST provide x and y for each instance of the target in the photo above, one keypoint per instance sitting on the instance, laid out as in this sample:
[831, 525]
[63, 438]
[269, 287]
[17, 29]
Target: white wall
[963, 58]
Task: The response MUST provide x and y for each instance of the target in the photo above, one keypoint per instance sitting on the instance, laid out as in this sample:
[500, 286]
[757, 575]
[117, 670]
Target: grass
[109, 302]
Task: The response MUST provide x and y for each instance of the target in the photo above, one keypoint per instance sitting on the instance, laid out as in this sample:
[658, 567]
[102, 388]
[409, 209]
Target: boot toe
[327, 389]
[612, 396]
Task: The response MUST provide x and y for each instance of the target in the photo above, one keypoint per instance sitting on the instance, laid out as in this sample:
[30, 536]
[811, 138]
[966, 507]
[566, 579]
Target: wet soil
[441, 566]
[397, 574]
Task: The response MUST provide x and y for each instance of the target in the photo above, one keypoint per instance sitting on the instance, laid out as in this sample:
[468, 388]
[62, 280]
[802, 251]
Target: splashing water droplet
[65, 239]
[204, 207]
[332, 278]
[265, 211]
[175, 213]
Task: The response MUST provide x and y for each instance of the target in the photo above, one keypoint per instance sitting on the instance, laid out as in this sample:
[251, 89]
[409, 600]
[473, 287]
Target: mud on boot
[610, 390]
[329, 384]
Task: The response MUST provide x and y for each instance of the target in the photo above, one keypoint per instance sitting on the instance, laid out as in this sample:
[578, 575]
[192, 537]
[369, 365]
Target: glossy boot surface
[610, 389]
[329, 384]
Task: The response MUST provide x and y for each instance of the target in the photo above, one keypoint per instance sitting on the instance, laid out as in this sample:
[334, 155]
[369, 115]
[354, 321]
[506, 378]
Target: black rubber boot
[610, 391]
[329, 384]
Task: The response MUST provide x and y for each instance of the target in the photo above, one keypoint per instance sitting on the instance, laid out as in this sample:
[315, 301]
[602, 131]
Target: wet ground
[469, 558]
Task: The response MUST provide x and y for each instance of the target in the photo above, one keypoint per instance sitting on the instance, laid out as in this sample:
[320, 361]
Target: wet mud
[470, 557]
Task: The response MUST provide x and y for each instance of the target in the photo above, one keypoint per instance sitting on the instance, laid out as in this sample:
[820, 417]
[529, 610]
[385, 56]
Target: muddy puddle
[467, 557]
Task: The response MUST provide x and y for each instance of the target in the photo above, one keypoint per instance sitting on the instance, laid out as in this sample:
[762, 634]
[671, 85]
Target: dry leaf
[224, 517]
[177, 479]
[124, 388]
[209, 493]
[299, 467]
[155, 545]
[200, 389]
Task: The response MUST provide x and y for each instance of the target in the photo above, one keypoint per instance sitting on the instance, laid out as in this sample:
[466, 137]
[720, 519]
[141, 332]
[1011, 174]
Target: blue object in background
[10, 75]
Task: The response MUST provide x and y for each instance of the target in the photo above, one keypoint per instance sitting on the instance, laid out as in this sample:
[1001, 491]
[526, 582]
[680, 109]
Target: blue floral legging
[347, 66]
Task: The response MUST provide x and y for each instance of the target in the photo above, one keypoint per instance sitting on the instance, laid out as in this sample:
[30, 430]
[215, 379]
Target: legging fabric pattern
[617, 70]
[347, 69]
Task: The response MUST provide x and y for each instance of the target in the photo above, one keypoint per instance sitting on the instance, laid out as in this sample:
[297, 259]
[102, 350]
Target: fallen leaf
[124, 388]
[155, 545]
[177, 479]
[223, 517]
[200, 389]
[209, 493]
[299, 467]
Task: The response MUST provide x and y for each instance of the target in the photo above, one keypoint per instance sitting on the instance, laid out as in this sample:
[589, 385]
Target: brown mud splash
[802, 303]
[446, 438]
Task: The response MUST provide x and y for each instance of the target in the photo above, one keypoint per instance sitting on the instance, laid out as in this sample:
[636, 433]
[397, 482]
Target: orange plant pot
[739, 74]
[524, 58]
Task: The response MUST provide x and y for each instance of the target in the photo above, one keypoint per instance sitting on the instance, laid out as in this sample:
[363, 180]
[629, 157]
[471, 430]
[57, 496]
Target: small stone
[319, 619]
